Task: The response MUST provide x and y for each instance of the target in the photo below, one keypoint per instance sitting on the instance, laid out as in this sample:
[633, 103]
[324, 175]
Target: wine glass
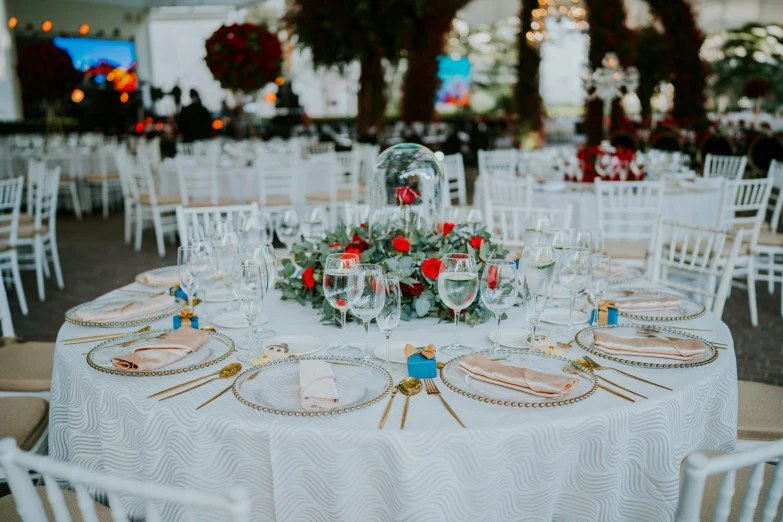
[338, 270]
[598, 246]
[498, 290]
[314, 227]
[536, 223]
[365, 297]
[266, 253]
[457, 288]
[538, 258]
[288, 228]
[187, 280]
[581, 237]
[601, 270]
[389, 317]
[249, 284]
[202, 265]
[535, 299]
[475, 218]
[574, 273]
[252, 231]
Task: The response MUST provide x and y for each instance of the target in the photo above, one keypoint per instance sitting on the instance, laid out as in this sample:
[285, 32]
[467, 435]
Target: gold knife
[621, 387]
[219, 394]
[388, 407]
[614, 392]
[178, 386]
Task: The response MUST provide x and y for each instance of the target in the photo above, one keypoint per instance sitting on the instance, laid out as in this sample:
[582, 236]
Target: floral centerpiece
[244, 57]
[606, 162]
[414, 257]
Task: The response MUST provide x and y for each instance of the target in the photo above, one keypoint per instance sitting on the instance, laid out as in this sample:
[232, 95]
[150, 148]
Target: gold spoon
[103, 337]
[388, 407]
[226, 373]
[408, 386]
[228, 367]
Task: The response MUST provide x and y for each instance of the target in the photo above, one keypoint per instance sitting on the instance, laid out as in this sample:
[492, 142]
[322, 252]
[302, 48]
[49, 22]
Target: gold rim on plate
[326, 358]
[114, 324]
[628, 279]
[154, 270]
[643, 364]
[642, 317]
[161, 372]
[521, 404]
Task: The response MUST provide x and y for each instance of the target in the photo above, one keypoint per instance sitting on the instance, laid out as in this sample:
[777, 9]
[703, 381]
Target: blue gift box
[177, 292]
[192, 321]
[608, 317]
[421, 367]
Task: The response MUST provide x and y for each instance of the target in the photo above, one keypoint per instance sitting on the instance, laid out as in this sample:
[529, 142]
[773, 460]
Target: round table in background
[600, 459]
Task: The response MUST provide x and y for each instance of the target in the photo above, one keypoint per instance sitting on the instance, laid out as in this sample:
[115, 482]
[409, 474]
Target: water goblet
[535, 299]
[498, 290]
[574, 274]
[457, 288]
[389, 317]
[601, 271]
[249, 285]
[314, 227]
[288, 228]
[365, 297]
[338, 271]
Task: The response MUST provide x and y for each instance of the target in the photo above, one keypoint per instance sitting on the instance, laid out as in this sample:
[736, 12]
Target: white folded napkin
[317, 387]
[128, 311]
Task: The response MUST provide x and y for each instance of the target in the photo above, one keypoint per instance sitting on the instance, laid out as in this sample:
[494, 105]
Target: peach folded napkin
[647, 304]
[164, 352]
[520, 379]
[618, 269]
[316, 384]
[165, 278]
[129, 311]
[681, 349]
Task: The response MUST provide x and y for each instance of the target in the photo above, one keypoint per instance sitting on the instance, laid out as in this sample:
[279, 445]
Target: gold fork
[596, 366]
[432, 389]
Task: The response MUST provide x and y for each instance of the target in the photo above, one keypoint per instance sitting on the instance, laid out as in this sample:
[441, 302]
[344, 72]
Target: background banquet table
[601, 459]
[695, 205]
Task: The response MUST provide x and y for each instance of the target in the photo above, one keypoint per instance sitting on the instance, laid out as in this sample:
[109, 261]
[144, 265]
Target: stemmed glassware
[598, 246]
[249, 285]
[365, 297]
[574, 274]
[338, 271]
[288, 228]
[314, 227]
[389, 317]
[535, 298]
[187, 280]
[457, 288]
[252, 231]
[475, 218]
[195, 266]
[538, 258]
[498, 290]
[581, 237]
[601, 270]
[267, 255]
[535, 224]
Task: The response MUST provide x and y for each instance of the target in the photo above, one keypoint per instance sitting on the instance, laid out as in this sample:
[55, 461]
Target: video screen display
[111, 61]
[455, 81]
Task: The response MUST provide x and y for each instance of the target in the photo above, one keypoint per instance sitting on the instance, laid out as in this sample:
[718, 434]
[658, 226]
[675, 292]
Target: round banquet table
[600, 459]
[695, 205]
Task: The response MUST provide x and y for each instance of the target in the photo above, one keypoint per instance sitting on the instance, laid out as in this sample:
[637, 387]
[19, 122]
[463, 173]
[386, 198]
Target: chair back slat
[17, 464]
[56, 499]
[743, 205]
[627, 210]
[197, 172]
[775, 204]
[278, 179]
[729, 167]
[726, 493]
[498, 162]
[454, 168]
[774, 494]
[202, 218]
[507, 223]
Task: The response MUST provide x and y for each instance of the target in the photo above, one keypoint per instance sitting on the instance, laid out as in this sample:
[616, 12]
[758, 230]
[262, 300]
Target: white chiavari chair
[507, 223]
[278, 180]
[128, 498]
[627, 212]
[122, 161]
[508, 191]
[151, 208]
[729, 167]
[743, 204]
[107, 179]
[10, 205]
[770, 245]
[68, 182]
[745, 471]
[39, 237]
[203, 218]
[695, 260]
[454, 168]
[313, 149]
[497, 162]
[196, 166]
[343, 185]
[369, 156]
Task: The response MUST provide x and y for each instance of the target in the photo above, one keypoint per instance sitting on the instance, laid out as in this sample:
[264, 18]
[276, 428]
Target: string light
[270, 97]
[12, 22]
[217, 124]
[46, 26]
[139, 127]
[77, 95]
[84, 29]
[124, 97]
[280, 81]
[569, 11]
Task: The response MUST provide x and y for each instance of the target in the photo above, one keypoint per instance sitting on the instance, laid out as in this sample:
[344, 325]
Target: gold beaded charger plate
[688, 309]
[460, 382]
[626, 276]
[215, 350]
[166, 271]
[112, 303]
[273, 387]
[585, 340]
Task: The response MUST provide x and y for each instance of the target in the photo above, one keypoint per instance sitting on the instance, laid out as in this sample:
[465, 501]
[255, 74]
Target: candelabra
[609, 82]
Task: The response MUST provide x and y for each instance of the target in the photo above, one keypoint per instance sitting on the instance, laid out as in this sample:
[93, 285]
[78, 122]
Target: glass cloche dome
[410, 176]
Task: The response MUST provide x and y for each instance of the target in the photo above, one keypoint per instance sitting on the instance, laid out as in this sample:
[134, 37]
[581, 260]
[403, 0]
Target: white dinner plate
[235, 319]
[396, 351]
[560, 316]
[511, 337]
[297, 344]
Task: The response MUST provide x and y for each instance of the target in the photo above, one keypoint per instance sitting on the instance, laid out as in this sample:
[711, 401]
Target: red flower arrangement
[244, 57]
[401, 244]
[476, 242]
[416, 289]
[307, 278]
[620, 159]
[46, 72]
[447, 228]
[430, 268]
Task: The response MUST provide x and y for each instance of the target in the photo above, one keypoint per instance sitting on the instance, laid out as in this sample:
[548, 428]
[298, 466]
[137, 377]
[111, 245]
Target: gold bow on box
[603, 311]
[428, 351]
[188, 318]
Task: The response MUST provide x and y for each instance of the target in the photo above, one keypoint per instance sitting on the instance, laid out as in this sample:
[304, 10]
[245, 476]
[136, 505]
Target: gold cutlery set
[593, 366]
[410, 386]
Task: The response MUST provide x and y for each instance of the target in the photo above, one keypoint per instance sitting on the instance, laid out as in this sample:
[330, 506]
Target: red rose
[352, 250]
[447, 228]
[335, 245]
[405, 195]
[307, 278]
[476, 242]
[401, 244]
[414, 290]
[431, 267]
[359, 243]
[341, 302]
[492, 277]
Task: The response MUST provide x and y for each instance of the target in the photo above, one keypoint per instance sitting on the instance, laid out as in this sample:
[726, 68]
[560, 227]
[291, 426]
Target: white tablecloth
[695, 207]
[603, 459]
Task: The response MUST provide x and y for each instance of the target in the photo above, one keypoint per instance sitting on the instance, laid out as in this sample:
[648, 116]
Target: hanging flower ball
[46, 72]
[244, 57]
